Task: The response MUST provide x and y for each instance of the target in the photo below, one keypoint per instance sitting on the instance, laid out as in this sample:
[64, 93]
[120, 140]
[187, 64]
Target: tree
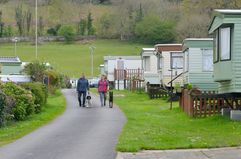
[3, 1]
[82, 27]
[106, 26]
[41, 26]
[19, 16]
[36, 70]
[90, 28]
[28, 16]
[140, 14]
[8, 31]
[1, 25]
[67, 32]
[152, 30]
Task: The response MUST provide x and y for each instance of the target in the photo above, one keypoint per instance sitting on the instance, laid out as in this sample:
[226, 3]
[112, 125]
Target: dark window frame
[230, 43]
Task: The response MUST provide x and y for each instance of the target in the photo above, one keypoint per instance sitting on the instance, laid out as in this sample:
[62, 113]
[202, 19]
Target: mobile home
[226, 28]
[120, 64]
[198, 63]
[10, 65]
[170, 63]
[11, 70]
[149, 65]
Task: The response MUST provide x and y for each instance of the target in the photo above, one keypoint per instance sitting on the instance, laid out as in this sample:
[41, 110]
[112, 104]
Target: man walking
[82, 88]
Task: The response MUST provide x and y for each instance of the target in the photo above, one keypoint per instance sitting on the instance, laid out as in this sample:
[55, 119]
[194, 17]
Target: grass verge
[152, 126]
[55, 106]
[73, 59]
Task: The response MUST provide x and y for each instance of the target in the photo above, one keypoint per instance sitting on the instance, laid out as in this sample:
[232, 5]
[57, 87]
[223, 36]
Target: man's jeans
[102, 98]
[83, 95]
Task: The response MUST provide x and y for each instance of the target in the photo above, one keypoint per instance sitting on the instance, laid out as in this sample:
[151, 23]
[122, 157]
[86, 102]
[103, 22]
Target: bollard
[111, 99]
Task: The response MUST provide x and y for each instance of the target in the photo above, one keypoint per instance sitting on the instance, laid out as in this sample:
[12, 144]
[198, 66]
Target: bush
[54, 30]
[8, 31]
[24, 100]
[36, 70]
[68, 33]
[152, 30]
[2, 106]
[39, 92]
[66, 82]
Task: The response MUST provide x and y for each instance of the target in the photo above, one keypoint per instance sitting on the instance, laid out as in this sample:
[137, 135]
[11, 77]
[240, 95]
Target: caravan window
[147, 61]
[186, 60]
[207, 58]
[176, 60]
[224, 43]
[120, 64]
[160, 62]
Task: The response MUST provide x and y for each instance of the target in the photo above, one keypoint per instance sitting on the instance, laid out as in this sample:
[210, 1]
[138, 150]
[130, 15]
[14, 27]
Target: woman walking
[102, 89]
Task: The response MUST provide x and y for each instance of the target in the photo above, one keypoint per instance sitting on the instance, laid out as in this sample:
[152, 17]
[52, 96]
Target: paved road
[80, 133]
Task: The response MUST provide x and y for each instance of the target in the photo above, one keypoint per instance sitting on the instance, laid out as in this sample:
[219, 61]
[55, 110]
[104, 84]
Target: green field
[73, 59]
[152, 125]
[54, 107]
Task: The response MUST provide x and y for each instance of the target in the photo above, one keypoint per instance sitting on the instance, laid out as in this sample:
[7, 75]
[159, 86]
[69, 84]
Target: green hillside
[73, 59]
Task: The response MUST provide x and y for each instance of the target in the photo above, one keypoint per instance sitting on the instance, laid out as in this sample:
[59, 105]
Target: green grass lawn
[54, 107]
[73, 59]
[151, 125]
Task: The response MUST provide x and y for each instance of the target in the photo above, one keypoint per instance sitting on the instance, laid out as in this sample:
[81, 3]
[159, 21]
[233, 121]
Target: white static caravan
[149, 65]
[198, 63]
[15, 78]
[170, 63]
[120, 62]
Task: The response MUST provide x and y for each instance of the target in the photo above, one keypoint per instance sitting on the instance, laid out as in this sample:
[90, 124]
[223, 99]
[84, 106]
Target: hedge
[24, 105]
[40, 94]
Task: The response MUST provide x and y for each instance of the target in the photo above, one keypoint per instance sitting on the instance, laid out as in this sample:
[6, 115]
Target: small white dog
[88, 100]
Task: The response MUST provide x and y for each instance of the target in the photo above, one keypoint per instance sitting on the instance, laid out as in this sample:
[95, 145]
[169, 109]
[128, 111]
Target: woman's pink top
[102, 86]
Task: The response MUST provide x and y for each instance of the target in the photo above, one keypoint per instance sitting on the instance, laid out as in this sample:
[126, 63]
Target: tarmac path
[80, 133]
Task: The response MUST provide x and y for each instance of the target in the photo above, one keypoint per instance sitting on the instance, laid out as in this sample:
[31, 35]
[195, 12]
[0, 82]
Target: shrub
[8, 110]
[36, 70]
[39, 92]
[152, 30]
[66, 82]
[24, 100]
[67, 32]
[2, 106]
[54, 80]
[54, 30]
[8, 31]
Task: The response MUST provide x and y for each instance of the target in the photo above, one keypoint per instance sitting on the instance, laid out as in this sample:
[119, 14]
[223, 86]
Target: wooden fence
[201, 104]
[157, 92]
[128, 74]
[132, 78]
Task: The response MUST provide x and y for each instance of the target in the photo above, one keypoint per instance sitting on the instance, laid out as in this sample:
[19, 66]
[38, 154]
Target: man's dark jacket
[82, 85]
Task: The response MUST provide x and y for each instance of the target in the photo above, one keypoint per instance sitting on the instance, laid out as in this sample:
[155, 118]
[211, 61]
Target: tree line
[152, 21]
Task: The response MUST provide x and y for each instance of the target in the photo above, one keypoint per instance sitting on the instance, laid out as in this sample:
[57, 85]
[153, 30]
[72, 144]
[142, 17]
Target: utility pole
[92, 49]
[36, 29]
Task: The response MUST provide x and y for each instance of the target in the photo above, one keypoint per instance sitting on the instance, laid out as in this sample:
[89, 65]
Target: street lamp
[15, 40]
[92, 49]
[36, 29]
